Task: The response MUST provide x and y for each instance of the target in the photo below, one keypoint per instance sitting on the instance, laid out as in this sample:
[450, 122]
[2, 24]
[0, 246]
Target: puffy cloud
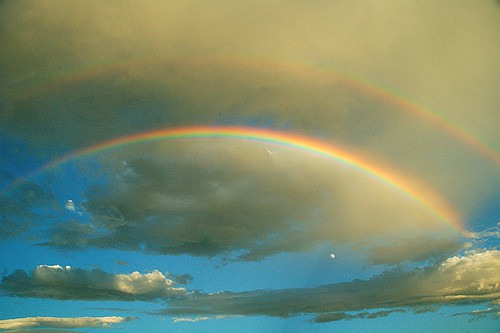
[55, 322]
[471, 278]
[235, 200]
[478, 269]
[66, 283]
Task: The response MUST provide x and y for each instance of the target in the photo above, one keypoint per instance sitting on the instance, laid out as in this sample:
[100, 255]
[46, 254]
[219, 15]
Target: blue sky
[223, 234]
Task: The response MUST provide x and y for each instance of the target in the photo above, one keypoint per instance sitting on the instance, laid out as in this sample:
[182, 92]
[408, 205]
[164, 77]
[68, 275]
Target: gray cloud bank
[468, 279]
[56, 322]
[66, 283]
[472, 278]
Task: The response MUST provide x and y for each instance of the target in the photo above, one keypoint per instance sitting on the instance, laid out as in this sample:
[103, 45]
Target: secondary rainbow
[408, 186]
[375, 89]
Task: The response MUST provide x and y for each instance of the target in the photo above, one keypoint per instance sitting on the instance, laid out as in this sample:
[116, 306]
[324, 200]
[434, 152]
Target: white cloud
[70, 205]
[190, 320]
[197, 319]
[477, 269]
[56, 322]
[137, 283]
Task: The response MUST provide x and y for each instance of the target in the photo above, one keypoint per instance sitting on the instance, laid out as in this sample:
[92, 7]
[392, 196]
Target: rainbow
[407, 186]
[386, 94]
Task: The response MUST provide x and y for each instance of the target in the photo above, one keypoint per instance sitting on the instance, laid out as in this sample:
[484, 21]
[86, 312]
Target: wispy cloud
[336, 316]
[489, 233]
[492, 311]
[55, 322]
[197, 319]
[189, 320]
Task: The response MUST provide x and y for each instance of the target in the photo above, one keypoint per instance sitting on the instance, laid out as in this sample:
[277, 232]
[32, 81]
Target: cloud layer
[468, 279]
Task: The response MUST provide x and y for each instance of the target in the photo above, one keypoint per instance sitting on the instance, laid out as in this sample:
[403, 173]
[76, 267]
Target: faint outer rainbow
[415, 190]
[376, 90]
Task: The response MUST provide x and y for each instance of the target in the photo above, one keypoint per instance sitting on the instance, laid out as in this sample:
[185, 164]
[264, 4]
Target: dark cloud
[121, 262]
[414, 250]
[424, 309]
[75, 75]
[23, 205]
[471, 278]
[180, 279]
[239, 201]
[65, 283]
[70, 235]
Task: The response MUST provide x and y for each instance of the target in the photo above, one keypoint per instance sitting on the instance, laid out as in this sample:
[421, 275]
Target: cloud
[60, 94]
[65, 283]
[231, 199]
[37, 330]
[197, 319]
[492, 232]
[493, 311]
[180, 279]
[414, 250]
[336, 316]
[23, 205]
[190, 320]
[467, 279]
[55, 322]
[120, 262]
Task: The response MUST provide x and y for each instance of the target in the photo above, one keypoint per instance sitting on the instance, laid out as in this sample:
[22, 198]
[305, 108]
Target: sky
[249, 166]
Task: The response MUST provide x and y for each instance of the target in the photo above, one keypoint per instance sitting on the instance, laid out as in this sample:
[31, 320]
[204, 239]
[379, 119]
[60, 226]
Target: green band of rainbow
[412, 188]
